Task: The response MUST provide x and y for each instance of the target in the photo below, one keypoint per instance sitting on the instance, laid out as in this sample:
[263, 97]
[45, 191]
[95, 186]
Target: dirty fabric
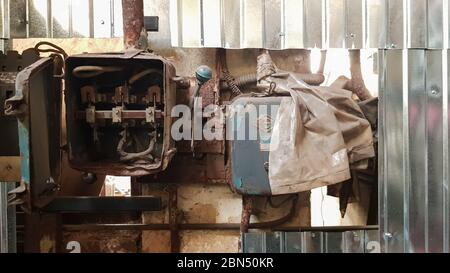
[318, 132]
[364, 170]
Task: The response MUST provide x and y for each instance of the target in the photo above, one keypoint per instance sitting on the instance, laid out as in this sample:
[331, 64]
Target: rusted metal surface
[102, 241]
[82, 157]
[186, 169]
[202, 146]
[247, 206]
[356, 84]
[38, 92]
[9, 169]
[43, 233]
[7, 78]
[272, 224]
[133, 23]
[125, 114]
[173, 219]
[208, 93]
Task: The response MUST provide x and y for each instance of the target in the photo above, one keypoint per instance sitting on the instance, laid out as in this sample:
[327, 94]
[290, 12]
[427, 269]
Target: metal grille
[281, 24]
[61, 18]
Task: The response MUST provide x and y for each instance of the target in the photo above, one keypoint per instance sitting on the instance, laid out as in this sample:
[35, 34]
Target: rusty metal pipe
[139, 227]
[356, 84]
[133, 22]
[173, 220]
[221, 226]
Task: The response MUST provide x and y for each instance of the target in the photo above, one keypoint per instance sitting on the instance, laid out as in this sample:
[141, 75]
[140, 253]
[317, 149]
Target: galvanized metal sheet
[435, 23]
[7, 220]
[293, 23]
[17, 18]
[334, 242]
[352, 241]
[293, 242]
[2, 18]
[414, 197]
[434, 123]
[314, 12]
[280, 24]
[417, 126]
[212, 22]
[38, 18]
[372, 241]
[252, 243]
[61, 18]
[446, 162]
[312, 242]
[273, 33]
[355, 23]
[80, 19]
[231, 24]
[376, 23]
[117, 23]
[3, 217]
[337, 23]
[102, 19]
[274, 242]
[392, 129]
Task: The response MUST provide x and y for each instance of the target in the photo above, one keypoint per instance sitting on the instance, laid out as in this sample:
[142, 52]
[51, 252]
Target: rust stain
[46, 245]
[105, 241]
[201, 213]
[156, 241]
[209, 241]
[133, 22]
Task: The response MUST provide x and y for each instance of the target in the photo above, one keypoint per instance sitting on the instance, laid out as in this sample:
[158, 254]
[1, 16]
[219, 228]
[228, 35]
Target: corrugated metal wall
[61, 18]
[351, 241]
[280, 24]
[413, 168]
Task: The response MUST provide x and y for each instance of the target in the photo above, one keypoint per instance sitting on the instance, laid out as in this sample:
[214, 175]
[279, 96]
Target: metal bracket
[117, 114]
[150, 115]
[89, 204]
[88, 94]
[90, 114]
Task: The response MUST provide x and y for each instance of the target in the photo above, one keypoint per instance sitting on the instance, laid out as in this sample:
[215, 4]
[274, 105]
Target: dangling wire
[53, 48]
[58, 54]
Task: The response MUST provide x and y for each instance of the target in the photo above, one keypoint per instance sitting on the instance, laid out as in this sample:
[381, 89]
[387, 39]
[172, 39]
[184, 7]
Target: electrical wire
[53, 48]
[89, 71]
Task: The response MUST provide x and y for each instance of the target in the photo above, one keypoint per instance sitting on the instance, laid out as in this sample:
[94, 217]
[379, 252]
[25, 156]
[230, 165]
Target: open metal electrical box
[118, 122]
[117, 119]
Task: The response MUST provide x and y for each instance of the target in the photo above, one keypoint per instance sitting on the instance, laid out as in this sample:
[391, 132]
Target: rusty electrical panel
[118, 113]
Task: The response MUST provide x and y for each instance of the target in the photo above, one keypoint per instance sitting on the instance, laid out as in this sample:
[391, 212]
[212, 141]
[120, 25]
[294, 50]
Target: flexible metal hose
[251, 79]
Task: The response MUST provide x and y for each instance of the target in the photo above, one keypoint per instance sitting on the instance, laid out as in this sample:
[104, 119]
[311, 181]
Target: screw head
[434, 91]
[388, 235]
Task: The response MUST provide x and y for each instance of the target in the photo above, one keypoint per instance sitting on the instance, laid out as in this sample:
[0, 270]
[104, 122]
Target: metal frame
[103, 204]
